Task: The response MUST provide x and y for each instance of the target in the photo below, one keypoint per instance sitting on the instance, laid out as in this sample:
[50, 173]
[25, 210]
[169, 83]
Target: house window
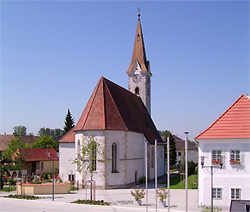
[114, 158]
[235, 156]
[217, 193]
[235, 193]
[71, 177]
[179, 153]
[93, 156]
[216, 154]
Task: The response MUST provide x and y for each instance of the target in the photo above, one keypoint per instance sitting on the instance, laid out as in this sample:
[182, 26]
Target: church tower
[139, 74]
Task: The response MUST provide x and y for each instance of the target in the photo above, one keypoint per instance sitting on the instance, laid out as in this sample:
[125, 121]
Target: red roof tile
[112, 107]
[37, 154]
[5, 140]
[68, 137]
[233, 123]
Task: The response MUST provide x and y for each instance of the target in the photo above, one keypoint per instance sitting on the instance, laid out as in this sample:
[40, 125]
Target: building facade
[228, 137]
[120, 121]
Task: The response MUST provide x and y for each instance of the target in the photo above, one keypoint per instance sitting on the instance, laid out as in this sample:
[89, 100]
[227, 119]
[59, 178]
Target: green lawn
[6, 189]
[175, 182]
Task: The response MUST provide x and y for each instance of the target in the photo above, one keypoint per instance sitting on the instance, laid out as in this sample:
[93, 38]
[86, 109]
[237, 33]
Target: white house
[229, 137]
[120, 121]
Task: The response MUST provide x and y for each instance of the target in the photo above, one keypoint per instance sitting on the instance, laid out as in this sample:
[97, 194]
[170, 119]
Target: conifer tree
[69, 123]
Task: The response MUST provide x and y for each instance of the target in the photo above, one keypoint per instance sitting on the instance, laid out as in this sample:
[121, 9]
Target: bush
[142, 180]
[29, 197]
[191, 167]
[11, 181]
[208, 209]
[99, 202]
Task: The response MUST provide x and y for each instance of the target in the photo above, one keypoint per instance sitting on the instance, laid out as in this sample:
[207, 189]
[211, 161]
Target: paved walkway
[120, 199]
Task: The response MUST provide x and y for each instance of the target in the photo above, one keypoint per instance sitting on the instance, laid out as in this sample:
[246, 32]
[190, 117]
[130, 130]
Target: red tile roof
[233, 123]
[39, 154]
[112, 107]
[5, 140]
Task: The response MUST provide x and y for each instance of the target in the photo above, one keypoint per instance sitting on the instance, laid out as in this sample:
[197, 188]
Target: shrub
[142, 180]
[11, 181]
[99, 202]
[191, 167]
[208, 209]
[29, 197]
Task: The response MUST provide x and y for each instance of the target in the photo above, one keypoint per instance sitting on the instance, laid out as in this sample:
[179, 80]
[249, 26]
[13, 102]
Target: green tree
[56, 133]
[13, 146]
[19, 130]
[172, 147]
[69, 123]
[45, 141]
[13, 153]
[87, 158]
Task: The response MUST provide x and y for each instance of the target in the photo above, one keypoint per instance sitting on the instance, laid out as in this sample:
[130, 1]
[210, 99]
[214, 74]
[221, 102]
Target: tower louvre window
[137, 91]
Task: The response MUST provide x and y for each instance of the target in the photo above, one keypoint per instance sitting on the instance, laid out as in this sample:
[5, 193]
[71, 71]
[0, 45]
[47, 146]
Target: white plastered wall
[230, 176]
[66, 156]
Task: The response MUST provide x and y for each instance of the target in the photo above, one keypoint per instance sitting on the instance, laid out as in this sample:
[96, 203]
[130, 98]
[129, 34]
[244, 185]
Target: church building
[120, 121]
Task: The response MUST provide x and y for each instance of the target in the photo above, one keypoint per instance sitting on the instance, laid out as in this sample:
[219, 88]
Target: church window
[152, 157]
[137, 91]
[114, 158]
[93, 156]
[78, 153]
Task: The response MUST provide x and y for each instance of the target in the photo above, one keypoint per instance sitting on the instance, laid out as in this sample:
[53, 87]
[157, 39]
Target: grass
[175, 182]
[6, 189]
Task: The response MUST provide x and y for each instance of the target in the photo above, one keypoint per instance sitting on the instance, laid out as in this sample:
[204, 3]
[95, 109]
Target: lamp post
[186, 168]
[53, 177]
[212, 173]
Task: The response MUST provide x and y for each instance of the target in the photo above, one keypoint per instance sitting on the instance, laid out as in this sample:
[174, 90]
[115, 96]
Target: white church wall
[98, 175]
[231, 176]
[129, 157]
[66, 156]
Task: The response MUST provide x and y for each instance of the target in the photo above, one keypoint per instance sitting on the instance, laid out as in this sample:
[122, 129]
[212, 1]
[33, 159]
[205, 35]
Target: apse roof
[112, 107]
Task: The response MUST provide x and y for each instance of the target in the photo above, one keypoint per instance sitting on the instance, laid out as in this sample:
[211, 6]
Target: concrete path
[120, 199]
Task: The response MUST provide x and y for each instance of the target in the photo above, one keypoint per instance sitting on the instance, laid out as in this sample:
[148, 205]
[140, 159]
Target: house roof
[180, 143]
[139, 53]
[37, 154]
[112, 107]
[5, 140]
[233, 123]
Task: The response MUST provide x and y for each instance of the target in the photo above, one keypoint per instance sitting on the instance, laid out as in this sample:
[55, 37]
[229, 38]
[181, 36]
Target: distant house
[39, 161]
[180, 150]
[5, 140]
[228, 137]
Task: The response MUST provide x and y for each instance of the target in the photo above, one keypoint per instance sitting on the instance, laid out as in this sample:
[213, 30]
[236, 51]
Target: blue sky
[54, 52]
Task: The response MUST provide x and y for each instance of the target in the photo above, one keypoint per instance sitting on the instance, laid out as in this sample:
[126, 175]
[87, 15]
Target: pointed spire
[139, 53]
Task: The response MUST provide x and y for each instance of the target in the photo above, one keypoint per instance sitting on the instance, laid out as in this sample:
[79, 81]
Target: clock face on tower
[137, 78]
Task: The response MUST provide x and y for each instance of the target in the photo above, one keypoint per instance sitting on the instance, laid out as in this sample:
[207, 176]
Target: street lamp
[211, 172]
[53, 191]
[186, 167]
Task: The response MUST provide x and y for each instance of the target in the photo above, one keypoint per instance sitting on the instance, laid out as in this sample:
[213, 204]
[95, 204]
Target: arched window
[137, 91]
[114, 157]
[93, 156]
[78, 153]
